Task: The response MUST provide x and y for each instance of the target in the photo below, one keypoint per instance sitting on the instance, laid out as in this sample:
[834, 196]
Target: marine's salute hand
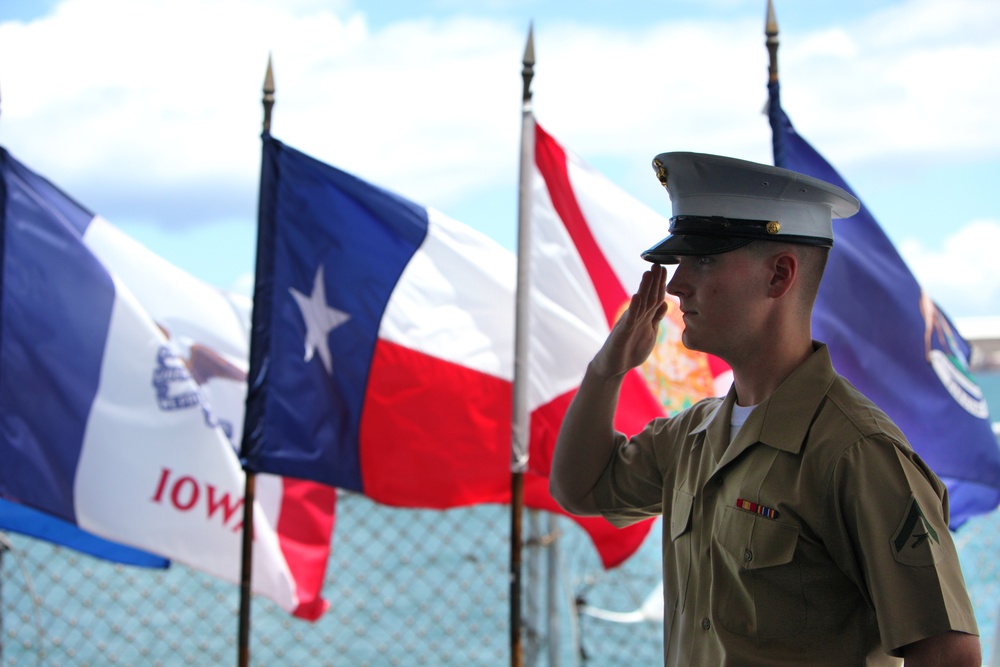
[632, 338]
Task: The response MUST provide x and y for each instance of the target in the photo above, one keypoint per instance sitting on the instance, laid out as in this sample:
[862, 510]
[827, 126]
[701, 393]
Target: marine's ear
[784, 267]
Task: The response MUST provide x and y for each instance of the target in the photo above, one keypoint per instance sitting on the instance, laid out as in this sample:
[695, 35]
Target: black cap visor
[674, 246]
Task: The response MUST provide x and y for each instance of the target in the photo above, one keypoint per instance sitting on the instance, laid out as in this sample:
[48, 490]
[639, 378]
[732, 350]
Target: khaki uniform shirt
[818, 537]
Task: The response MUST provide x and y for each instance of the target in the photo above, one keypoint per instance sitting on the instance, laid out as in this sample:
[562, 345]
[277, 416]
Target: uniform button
[747, 555]
[706, 624]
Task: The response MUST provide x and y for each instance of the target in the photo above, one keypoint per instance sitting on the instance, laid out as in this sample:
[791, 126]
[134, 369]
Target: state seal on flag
[949, 360]
[677, 377]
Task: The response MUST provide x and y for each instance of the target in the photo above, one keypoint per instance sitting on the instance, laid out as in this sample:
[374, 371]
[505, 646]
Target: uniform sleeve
[631, 488]
[891, 516]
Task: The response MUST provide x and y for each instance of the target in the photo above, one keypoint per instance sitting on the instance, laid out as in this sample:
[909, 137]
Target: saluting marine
[799, 525]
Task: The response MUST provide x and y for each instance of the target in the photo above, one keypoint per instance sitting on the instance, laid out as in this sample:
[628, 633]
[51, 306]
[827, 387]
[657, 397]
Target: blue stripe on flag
[317, 222]
[56, 304]
[24, 520]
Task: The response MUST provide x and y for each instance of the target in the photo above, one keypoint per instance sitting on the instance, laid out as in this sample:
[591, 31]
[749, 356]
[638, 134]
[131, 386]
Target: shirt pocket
[680, 514]
[677, 555]
[758, 589]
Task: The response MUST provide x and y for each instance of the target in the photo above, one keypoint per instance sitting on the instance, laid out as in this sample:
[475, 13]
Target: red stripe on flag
[614, 545]
[716, 366]
[434, 433]
[551, 161]
[305, 527]
[636, 408]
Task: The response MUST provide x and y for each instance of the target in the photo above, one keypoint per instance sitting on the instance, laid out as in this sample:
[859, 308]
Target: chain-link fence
[406, 587]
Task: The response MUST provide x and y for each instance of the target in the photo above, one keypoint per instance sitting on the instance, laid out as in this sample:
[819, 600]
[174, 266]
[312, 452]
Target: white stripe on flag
[622, 226]
[455, 299]
[153, 474]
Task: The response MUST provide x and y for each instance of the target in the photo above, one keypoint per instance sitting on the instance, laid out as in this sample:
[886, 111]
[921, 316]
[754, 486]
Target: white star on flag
[320, 320]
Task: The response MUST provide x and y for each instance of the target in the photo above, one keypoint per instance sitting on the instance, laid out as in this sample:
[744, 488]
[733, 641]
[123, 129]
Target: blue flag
[30, 401]
[895, 345]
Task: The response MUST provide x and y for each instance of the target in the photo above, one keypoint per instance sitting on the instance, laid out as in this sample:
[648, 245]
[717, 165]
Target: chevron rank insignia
[916, 540]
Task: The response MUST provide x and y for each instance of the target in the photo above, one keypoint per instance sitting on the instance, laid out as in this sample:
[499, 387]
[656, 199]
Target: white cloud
[150, 109]
[917, 91]
[430, 107]
[963, 275]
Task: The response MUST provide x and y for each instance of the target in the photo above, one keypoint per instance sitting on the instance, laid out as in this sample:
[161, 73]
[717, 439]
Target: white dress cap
[721, 203]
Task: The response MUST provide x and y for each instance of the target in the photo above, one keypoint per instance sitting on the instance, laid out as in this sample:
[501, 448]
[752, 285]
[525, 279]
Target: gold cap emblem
[661, 172]
[773, 227]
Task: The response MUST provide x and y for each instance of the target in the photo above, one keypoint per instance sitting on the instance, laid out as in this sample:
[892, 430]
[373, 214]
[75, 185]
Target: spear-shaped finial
[529, 64]
[268, 99]
[771, 30]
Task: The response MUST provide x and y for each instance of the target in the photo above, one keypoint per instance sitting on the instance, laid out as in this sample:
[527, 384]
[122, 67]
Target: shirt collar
[783, 419]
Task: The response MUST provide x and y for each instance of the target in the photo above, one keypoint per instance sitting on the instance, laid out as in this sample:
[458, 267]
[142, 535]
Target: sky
[148, 111]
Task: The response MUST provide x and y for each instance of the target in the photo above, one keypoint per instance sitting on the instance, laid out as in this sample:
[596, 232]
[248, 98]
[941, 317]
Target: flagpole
[249, 491]
[771, 32]
[771, 41]
[245, 568]
[520, 426]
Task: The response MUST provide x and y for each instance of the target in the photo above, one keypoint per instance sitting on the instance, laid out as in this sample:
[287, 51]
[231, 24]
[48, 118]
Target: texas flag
[381, 356]
[382, 351]
[121, 385]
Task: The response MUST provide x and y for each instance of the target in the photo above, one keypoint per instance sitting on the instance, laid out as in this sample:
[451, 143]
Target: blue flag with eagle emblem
[889, 338]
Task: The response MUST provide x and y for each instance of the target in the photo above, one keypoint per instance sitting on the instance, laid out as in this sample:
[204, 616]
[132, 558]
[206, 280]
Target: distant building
[983, 334]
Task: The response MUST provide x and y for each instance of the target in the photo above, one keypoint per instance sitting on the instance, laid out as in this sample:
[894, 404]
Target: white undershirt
[738, 418]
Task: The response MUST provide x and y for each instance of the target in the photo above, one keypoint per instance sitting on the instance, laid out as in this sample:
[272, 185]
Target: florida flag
[120, 393]
[888, 337]
[586, 239]
[382, 350]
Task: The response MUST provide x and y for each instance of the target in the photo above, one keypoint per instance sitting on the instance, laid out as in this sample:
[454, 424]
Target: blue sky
[148, 111]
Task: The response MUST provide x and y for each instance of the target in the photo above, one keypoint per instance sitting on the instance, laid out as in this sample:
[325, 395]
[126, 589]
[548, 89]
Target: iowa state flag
[27, 521]
[121, 384]
[891, 340]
